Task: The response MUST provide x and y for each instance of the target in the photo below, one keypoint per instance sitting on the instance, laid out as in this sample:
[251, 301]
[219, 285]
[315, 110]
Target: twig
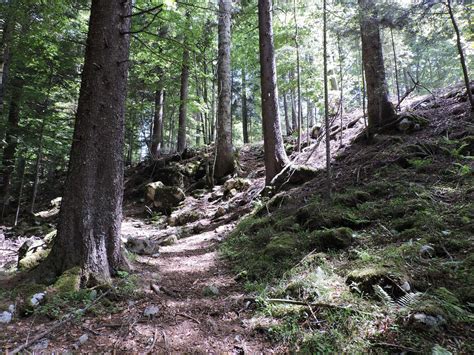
[189, 317]
[155, 337]
[65, 320]
[165, 340]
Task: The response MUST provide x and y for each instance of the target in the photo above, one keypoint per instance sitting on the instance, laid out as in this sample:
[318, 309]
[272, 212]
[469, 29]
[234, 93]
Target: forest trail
[201, 306]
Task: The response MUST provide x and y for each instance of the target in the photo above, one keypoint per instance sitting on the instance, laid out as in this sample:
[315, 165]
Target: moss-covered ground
[372, 260]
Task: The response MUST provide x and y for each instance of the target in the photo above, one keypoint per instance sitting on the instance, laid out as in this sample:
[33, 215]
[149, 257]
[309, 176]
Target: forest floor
[386, 266]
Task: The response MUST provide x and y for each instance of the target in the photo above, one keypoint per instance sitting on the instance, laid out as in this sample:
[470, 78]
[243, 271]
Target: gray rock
[211, 290]
[82, 340]
[170, 240]
[405, 124]
[427, 321]
[142, 246]
[6, 317]
[40, 345]
[151, 311]
[37, 298]
[166, 197]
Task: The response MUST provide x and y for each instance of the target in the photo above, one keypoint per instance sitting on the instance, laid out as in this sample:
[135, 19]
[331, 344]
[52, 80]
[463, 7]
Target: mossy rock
[185, 218]
[331, 239]
[352, 198]
[69, 281]
[317, 217]
[33, 258]
[25, 294]
[282, 245]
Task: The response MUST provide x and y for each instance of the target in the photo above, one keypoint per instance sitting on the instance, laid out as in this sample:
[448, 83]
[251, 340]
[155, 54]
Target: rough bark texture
[183, 100]
[380, 111]
[224, 164]
[11, 140]
[91, 210]
[245, 112]
[275, 155]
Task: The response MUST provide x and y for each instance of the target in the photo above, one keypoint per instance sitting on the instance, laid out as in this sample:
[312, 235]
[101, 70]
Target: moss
[69, 281]
[282, 245]
[352, 198]
[32, 260]
[337, 238]
[318, 216]
[364, 279]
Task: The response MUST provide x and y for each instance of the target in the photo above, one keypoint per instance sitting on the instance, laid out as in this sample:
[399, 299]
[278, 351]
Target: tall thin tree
[275, 155]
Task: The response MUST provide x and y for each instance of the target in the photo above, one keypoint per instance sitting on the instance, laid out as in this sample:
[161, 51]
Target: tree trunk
[461, 54]
[298, 79]
[287, 118]
[21, 173]
[397, 83]
[91, 210]
[275, 155]
[157, 135]
[245, 113]
[183, 98]
[224, 164]
[39, 158]
[380, 111]
[326, 104]
[5, 56]
[11, 139]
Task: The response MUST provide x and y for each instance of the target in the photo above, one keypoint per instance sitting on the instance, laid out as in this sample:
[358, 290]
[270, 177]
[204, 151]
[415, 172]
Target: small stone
[151, 311]
[429, 321]
[427, 251]
[406, 286]
[211, 290]
[220, 212]
[6, 317]
[40, 345]
[446, 233]
[37, 298]
[170, 240]
[82, 339]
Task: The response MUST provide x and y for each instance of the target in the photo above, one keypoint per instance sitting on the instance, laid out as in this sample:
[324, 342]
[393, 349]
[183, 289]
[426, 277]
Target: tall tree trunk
[298, 79]
[380, 111]
[21, 173]
[183, 97]
[397, 83]
[39, 158]
[287, 118]
[157, 135]
[326, 104]
[224, 164]
[5, 55]
[275, 155]
[11, 139]
[461, 54]
[245, 113]
[341, 90]
[91, 210]
[213, 107]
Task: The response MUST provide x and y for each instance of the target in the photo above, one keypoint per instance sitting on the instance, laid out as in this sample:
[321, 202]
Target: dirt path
[191, 319]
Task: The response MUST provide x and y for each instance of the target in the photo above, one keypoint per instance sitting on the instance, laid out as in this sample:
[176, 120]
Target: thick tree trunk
[91, 210]
[245, 113]
[275, 155]
[380, 111]
[461, 54]
[11, 139]
[224, 164]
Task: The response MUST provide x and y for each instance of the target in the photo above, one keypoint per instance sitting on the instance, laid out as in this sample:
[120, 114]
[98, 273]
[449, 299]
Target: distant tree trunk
[157, 135]
[461, 54]
[183, 98]
[11, 139]
[397, 83]
[39, 158]
[326, 103]
[245, 114]
[380, 111]
[275, 155]
[224, 164]
[213, 108]
[341, 89]
[21, 173]
[287, 118]
[91, 210]
[298, 79]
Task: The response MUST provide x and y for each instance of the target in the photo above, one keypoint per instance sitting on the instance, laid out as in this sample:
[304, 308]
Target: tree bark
[91, 210]
[183, 98]
[11, 139]
[157, 135]
[224, 164]
[275, 155]
[326, 104]
[5, 55]
[461, 54]
[379, 109]
[245, 113]
[298, 80]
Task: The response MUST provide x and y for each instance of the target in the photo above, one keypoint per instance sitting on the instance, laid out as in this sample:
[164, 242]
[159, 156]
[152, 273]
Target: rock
[405, 286]
[185, 218]
[210, 290]
[6, 317]
[151, 311]
[221, 211]
[363, 280]
[170, 240]
[427, 251]
[37, 299]
[150, 190]
[336, 239]
[40, 345]
[235, 185]
[426, 321]
[69, 281]
[165, 198]
[56, 202]
[405, 125]
[81, 341]
[142, 246]
[37, 251]
[170, 176]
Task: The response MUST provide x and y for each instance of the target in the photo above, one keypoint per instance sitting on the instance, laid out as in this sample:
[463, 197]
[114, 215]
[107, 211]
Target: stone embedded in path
[151, 311]
[142, 246]
[210, 290]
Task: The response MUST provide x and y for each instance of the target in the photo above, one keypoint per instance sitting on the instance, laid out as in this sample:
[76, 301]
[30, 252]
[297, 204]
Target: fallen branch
[189, 317]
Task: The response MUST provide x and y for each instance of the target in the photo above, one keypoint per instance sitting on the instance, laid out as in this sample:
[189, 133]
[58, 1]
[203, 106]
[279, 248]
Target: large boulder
[164, 198]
